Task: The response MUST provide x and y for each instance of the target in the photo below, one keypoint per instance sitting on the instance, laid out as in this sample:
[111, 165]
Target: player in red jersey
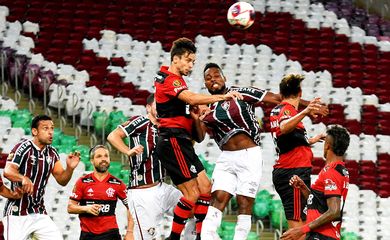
[94, 198]
[326, 198]
[29, 166]
[174, 146]
[292, 146]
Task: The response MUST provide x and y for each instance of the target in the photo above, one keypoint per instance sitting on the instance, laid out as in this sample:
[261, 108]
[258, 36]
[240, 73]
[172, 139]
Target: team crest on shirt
[15, 208]
[110, 192]
[225, 105]
[176, 83]
[330, 185]
[140, 177]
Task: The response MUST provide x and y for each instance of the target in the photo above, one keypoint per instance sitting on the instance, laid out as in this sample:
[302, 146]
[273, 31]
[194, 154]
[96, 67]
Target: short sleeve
[77, 192]
[130, 126]
[17, 154]
[173, 86]
[250, 94]
[287, 112]
[122, 194]
[332, 183]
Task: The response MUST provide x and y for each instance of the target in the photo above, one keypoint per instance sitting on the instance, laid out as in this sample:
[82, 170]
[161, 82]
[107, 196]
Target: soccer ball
[241, 15]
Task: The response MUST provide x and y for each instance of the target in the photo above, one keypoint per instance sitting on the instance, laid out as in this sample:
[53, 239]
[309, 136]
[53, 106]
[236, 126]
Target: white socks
[211, 223]
[189, 231]
[243, 227]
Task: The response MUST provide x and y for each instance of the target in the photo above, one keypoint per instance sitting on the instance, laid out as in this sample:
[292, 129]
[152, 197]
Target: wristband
[305, 228]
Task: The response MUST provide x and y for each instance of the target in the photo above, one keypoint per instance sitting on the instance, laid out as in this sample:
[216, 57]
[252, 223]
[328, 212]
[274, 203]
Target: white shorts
[39, 226]
[148, 205]
[238, 172]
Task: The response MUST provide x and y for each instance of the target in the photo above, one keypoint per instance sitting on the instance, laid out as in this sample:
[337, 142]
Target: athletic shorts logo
[193, 169]
[176, 83]
[152, 231]
[330, 185]
[110, 192]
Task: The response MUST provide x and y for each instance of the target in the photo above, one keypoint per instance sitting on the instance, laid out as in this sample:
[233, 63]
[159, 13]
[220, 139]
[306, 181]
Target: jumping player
[174, 146]
[149, 197]
[326, 198]
[292, 146]
[29, 166]
[94, 198]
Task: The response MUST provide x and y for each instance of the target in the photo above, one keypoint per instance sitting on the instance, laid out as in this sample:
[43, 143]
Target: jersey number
[105, 208]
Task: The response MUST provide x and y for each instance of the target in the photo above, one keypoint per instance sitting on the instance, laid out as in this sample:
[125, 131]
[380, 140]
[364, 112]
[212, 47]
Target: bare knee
[190, 190]
[245, 204]
[220, 199]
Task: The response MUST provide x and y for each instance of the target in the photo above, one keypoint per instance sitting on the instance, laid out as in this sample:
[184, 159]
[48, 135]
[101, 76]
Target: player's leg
[203, 203]
[16, 227]
[249, 166]
[223, 188]
[145, 208]
[44, 228]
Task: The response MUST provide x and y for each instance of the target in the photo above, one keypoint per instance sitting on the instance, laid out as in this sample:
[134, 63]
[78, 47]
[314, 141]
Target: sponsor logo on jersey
[114, 181]
[330, 185]
[87, 180]
[110, 192]
[10, 156]
[179, 89]
[74, 195]
[90, 192]
[176, 83]
[33, 160]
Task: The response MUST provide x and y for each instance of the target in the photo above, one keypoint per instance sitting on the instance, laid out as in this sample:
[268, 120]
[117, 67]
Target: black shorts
[178, 157]
[112, 234]
[317, 236]
[293, 201]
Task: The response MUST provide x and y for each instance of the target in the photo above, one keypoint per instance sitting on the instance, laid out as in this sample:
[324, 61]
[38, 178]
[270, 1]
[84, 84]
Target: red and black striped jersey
[89, 190]
[145, 168]
[293, 148]
[333, 181]
[171, 111]
[37, 165]
[231, 117]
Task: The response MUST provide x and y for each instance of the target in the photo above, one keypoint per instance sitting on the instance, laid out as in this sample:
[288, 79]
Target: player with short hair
[326, 198]
[149, 197]
[176, 130]
[292, 146]
[94, 198]
[29, 166]
[234, 127]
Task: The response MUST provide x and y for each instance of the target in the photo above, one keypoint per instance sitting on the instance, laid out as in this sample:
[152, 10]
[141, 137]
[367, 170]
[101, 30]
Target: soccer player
[174, 146]
[29, 166]
[234, 127]
[292, 146]
[94, 198]
[326, 198]
[149, 197]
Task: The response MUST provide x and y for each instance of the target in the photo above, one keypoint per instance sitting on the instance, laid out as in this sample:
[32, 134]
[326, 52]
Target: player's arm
[75, 208]
[331, 214]
[130, 226]
[273, 98]
[199, 128]
[62, 175]
[297, 182]
[11, 172]
[317, 138]
[115, 138]
[290, 124]
[8, 193]
[202, 99]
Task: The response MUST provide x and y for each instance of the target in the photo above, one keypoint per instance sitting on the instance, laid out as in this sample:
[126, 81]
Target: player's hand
[73, 160]
[292, 234]
[319, 137]
[297, 182]
[93, 209]
[17, 194]
[233, 95]
[314, 107]
[135, 150]
[27, 185]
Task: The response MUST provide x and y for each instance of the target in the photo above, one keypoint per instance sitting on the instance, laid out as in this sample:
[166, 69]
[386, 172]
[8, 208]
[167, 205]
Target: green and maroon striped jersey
[230, 117]
[145, 168]
[37, 165]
